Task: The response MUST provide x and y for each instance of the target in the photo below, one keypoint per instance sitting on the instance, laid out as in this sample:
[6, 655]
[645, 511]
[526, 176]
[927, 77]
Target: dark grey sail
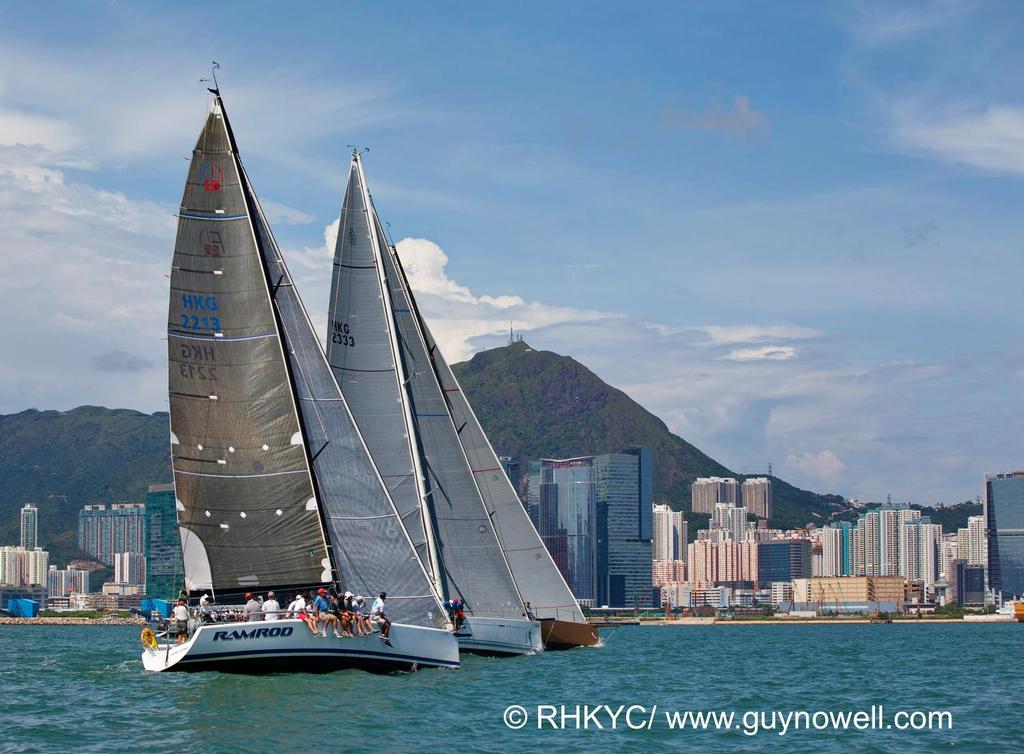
[247, 507]
[473, 564]
[371, 548]
[362, 351]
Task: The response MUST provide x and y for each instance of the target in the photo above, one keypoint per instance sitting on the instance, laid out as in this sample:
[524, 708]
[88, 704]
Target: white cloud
[763, 353]
[824, 465]
[991, 138]
[282, 214]
[885, 22]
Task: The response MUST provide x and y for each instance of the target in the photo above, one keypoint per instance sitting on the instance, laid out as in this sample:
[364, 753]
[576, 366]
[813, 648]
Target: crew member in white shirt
[271, 607]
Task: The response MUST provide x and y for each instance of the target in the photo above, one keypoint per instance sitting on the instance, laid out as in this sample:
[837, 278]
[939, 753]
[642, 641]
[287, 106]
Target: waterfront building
[830, 591]
[707, 492]
[129, 568]
[881, 530]
[757, 496]
[62, 582]
[104, 530]
[165, 573]
[669, 536]
[782, 591]
[967, 583]
[29, 527]
[976, 545]
[783, 560]
[1004, 529]
[10, 566]
[594, 514]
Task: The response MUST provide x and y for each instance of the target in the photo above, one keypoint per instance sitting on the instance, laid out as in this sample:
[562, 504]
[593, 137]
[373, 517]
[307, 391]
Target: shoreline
[53, 621]
[799, 621]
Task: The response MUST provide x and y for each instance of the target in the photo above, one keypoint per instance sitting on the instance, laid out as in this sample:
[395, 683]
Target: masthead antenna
[213, 73]
[357, 150]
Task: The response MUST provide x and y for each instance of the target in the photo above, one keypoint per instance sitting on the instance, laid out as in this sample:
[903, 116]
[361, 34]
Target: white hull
[500, 636]
[288, 645]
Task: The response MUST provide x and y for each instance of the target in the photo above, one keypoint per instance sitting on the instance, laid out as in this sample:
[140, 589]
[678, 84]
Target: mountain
[62, 460]
[531, 403]
[539, 404]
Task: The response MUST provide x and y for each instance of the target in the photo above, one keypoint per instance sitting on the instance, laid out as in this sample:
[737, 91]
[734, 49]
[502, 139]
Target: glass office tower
[1004, 528]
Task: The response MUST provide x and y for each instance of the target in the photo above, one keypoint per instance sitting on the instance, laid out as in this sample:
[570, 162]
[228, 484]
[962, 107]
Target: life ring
[148, 638]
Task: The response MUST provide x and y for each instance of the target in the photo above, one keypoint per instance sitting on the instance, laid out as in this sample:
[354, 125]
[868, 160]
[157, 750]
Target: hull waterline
[563, 634]
[289, 646]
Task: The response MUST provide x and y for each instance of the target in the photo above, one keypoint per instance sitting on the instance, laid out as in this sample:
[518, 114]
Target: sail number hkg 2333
[340, 334]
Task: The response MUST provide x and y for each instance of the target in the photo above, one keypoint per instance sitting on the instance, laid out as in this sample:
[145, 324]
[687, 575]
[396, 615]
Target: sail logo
[211, 176]
[211, 242]
[253, 633]
[199, 302]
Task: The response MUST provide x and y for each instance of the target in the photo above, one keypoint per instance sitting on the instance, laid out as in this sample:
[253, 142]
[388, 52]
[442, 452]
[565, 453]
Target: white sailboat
[275, 488]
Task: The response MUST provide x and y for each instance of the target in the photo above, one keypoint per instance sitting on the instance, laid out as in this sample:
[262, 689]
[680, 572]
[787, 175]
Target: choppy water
[84, 690]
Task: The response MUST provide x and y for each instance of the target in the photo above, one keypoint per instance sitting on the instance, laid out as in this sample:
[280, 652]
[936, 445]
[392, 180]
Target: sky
[791, 230]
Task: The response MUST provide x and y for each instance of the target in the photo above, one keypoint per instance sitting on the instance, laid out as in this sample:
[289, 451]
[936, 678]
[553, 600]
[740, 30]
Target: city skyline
[868, 204]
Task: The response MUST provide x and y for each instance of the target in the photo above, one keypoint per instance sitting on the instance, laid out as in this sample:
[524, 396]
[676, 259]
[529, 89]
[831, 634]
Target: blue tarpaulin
[22, 608]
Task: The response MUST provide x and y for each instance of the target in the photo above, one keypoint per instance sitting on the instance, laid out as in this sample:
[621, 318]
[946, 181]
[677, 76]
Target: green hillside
[540, 404]
[62, 460]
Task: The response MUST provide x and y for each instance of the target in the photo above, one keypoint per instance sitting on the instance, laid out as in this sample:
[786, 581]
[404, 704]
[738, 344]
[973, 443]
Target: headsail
[246, 500]
[539, 581]
[474, 565]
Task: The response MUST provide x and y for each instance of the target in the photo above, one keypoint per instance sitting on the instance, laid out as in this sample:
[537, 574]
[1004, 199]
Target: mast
[420, 478]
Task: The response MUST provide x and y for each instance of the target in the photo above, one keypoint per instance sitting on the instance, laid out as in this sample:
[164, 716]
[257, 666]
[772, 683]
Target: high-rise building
[783, 560]
[594, 514]
[731, 520]
[977, 549]
[1004, 527]
[129, 568]
[707, 492]
[29, 527]
[919, 555]
[104, 530]
[950, 552]
[21, 567]
[669, 540]
[165, 573]
[837, 550]
[757, 496]
[61, 583]
[881, 530]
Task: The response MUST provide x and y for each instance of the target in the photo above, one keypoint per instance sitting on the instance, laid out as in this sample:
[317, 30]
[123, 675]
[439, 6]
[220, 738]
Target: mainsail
[247, 508]
[371, 305]
[245, 280]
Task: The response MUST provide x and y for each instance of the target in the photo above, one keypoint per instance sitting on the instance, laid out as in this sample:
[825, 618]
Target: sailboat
[440, 470]
[274, 487]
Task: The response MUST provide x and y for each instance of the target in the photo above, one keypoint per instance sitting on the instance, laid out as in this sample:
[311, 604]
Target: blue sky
[792, 230]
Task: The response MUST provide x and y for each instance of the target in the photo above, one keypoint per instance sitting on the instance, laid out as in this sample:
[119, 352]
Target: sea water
[83, 689]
